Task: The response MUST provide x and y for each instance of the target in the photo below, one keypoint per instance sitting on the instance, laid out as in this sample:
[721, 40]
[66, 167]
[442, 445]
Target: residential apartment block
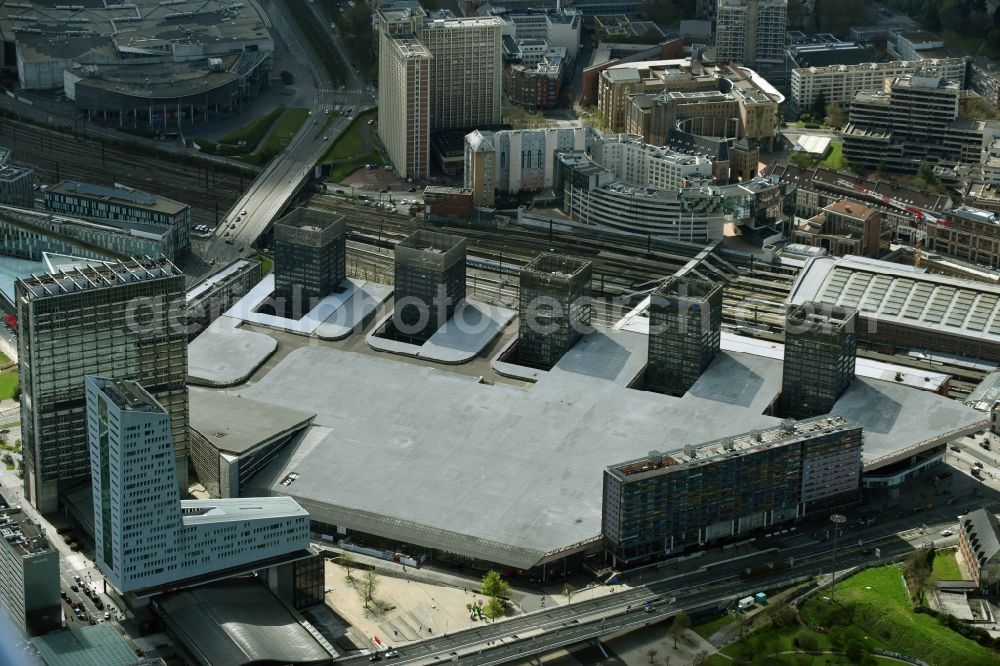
[666, 502]
[979, 543]
[813, 189]
[113, 319]
[124, 206]
[968, 233]
[435, 72]
[145, 536]
[536, 85]
[840, 83]
[751, 32]
[592, 195]
[514, 161]
[632, 160]
[29, 574]
[845, 227]
[914, 120]
[651, 98]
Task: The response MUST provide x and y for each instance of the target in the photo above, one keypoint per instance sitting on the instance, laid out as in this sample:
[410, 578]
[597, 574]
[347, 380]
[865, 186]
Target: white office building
[513, 161]
[633, 161]
[145, 536]
[557, 27]
[839, 83]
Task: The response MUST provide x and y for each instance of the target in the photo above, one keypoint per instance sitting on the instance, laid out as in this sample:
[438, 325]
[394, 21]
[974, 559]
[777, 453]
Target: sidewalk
[524, 599]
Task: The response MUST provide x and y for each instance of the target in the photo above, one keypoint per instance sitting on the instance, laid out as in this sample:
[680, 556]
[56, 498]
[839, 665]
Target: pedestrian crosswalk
[343, 91]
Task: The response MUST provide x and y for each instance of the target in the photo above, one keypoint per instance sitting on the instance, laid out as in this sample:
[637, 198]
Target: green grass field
[776, 647]
[835, 160]
[284, 129]
[254, 131]
[352, 142]
[8, 385]
[709, 627]
[266, 264]
[4, 361]
[946, 567]
[354, 148]
[875, 601]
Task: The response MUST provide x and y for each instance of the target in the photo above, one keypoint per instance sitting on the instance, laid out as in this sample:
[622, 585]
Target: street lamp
[837, 519]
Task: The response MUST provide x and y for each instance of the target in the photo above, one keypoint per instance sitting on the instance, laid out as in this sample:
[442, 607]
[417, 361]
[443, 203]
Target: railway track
[56, 155]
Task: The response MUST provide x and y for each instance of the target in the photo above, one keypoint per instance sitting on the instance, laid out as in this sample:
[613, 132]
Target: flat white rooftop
[513, 475]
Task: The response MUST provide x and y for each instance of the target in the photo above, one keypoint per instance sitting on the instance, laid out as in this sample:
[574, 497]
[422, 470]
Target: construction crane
[920, 217]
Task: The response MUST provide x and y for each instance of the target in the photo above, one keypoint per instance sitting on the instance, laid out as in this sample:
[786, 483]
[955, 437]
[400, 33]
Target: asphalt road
[268, 195]
[718, 585]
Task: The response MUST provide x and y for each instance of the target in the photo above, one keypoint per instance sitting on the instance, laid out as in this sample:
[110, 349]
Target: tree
[494, 586]
[996, 17]
[568, 590]
[346, 560]
[819, 106]
[807, 640]
[287, 77]
[931, 21]
[951, 15]
[854, 651]
[926, 174]
[835, 114]
[699, 658]
[680, 624]
[794, 13]
[664, 12]
[495, 608]
[8, 460]
[366, 587]
[651, 654]
[594, 117]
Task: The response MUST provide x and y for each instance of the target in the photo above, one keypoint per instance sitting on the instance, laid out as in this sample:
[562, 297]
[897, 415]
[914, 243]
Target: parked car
[946, 533]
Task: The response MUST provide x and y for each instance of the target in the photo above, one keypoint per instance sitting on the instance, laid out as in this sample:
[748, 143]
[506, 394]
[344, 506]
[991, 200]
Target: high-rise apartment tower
[751, 32]
[435, 72]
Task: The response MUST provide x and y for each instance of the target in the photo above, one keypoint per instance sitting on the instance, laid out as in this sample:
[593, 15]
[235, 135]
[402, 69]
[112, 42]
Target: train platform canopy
[513, 475]
[239, 621]
[899, 295]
